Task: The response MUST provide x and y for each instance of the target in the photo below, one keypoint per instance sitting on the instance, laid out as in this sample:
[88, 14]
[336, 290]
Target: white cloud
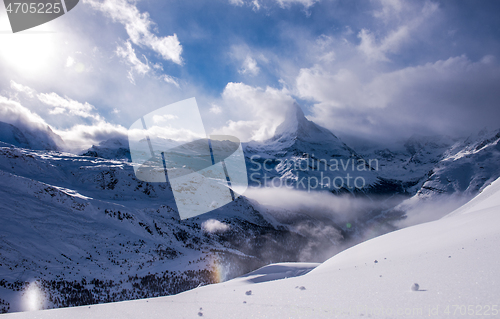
[341, 89]
[389, 9]
[323, 46]
[369, 47]
[249, 67]
[161, 119]
[282, 3]
[305, 3]
[435, 97]
[256, 5]
[168, 132]
[63, 105]
[138, 27]
[248, 59]
[215, 109]
[130, 77]
[390, 44]
[171, 80]
[70, 62]
[76, 138]
[255, 112]
[407, 18]
[22, 88]
[128, 53]
[80, 137]
[42, 136]
[214, 226]
[237, 2]
[14, 113]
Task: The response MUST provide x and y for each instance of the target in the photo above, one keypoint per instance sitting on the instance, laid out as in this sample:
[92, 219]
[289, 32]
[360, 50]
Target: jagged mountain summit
[297, 135]
[304, 155]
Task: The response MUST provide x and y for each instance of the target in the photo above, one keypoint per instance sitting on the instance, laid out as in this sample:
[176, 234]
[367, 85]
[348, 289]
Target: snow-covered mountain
[466, 167]
[116, 148]
[87, 231]
[410, 159]
[84, 230]
[461, 172]
[446, 268]
[296, 135]
[304, 155]
[35, 138]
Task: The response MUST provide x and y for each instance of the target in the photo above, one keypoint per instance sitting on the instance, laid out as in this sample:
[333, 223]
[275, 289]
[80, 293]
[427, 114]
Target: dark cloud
[456, 97]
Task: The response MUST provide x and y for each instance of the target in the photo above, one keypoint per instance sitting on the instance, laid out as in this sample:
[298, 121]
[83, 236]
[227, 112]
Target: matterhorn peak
[297, 126]
[299, 135]
[294, 121]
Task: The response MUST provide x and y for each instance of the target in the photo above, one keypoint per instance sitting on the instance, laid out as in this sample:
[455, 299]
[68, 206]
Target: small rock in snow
[415, 287]
[248, 293]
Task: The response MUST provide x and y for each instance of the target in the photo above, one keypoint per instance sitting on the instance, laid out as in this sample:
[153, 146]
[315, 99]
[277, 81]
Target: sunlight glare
[33, 298]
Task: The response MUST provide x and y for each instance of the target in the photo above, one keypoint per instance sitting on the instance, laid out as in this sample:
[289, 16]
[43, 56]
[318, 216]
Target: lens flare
[218, 270]
[33, 297]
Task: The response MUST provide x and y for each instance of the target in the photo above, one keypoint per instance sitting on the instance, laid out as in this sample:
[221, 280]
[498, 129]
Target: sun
[32, 52]
[29, 54]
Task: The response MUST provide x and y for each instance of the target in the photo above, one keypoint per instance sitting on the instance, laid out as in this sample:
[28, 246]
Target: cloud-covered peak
[21, 127]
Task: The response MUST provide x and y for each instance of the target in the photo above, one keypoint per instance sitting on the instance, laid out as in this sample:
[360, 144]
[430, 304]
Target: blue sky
[375, 69]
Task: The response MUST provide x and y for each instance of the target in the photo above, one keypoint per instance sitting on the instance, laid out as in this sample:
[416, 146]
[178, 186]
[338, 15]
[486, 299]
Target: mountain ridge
[36, 138]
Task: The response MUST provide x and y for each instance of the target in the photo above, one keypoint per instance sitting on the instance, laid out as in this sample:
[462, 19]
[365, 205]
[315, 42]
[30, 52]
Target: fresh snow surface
[455, 261]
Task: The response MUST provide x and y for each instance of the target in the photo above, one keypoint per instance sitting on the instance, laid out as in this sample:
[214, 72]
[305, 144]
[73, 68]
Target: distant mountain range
[420, 166]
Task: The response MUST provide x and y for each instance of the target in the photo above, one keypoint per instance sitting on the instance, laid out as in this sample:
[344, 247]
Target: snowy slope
[455, 261]
[88, 231]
